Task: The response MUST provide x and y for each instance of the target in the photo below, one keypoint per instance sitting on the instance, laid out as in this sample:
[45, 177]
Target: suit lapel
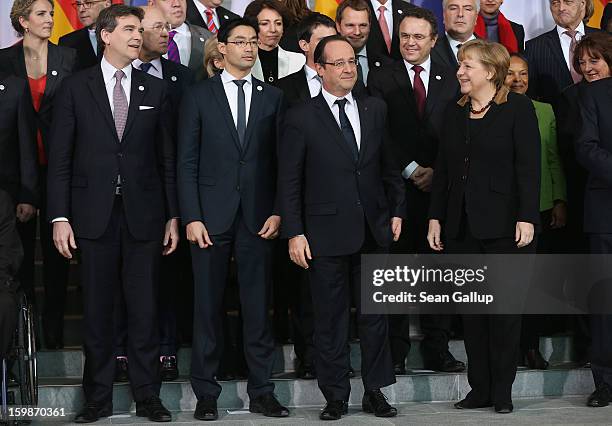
[400, 75]
[437, 81]
[100, 97]
[19, 64]
[219, 92]
[257, 95]
[365, 127]
[555, 47]
[327, 118]
[197, 49]
[283, 63]
[54, 68]
[302, 85]
[138, 91]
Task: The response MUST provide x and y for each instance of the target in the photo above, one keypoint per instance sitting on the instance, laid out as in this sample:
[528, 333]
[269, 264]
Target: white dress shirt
[409, 170]
[182, 38]
[454, 44]
[202, 10]
[313, 80]
[231, 91]
[351, 112]
[388, 14]
[93, 39]
[362, 58]
[566, 41]
[155, 70]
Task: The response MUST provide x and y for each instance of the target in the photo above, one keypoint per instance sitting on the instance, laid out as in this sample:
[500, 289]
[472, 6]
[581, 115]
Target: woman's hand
[433, 235]
[524, 234]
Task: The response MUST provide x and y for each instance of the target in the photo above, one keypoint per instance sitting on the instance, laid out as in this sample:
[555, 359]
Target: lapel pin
[54, 73]
[400, 11]
[226, 17]
[377, 63]
[1, 86]
[141, 88]
[173, 78]
[259, 88]
[438, 77]
[202, 39]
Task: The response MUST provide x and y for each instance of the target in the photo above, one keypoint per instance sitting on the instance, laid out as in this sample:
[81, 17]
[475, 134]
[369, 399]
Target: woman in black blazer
[485, 195]
[43, 65]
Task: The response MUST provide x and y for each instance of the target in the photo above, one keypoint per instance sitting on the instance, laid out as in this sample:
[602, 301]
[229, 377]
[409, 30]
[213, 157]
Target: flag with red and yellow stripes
[327, 7]
[599, 7]
[66, 18]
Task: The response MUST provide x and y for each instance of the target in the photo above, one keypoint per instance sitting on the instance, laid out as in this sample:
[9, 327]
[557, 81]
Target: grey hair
[476, 2]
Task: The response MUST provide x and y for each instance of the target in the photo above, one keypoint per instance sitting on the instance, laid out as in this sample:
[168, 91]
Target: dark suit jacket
[18, 162]
[11, 254]
[216, 175]
[86, 156]
[443, 52]
[295, 88]
[495, 177]
[79, 40]
[594, 152]
[414, 139]
[548, 71]
[324, 193]
[179, 79]
[376, 43]
[519, 33]
[199, 36]
[60, 63]
[194, 17]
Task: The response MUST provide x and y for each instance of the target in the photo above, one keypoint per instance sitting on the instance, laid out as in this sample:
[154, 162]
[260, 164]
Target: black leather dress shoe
[504, 408]
[446, 363]
[334, 410]
[121, 370]
[206, 409]
[399, 368]
[469, 404]
[268, 405]
[306, 372]
[375, 402]
[169, 368]
[153, 409]
[601, 397]
[534, 360]
[92, 412]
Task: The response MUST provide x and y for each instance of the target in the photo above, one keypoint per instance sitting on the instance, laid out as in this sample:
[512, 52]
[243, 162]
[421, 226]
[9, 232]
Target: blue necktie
[146, 66]
[347, 129]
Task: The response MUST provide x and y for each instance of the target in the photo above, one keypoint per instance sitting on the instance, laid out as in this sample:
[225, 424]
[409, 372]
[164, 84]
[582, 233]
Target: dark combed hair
[358, 5]
[319, 53]
[422, 13]
[596, 45]
[107, 20]
[255, 7]
[226, 29]
[307, 26]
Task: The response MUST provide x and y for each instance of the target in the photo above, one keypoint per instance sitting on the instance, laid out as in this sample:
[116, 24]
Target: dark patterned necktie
[420, 95]
[241, 116]
[347, 129]
[173, 51]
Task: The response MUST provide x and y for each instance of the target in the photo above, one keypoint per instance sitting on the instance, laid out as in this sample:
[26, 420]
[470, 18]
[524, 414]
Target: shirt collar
[454, 43]
[363, 52]
[331, 99]
[579, 29]
[310, 73]
[226, 77]
[202, 8]
[182, 29]
[156, 63]
[376, 4]
[108, 71]
[426, 65]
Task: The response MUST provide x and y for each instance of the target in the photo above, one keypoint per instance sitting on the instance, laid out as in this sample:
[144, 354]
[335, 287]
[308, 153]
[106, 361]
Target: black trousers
[55, 266]
[117, 262]
[330, 284]
[492, 342]
[601, 325]
[253, 257]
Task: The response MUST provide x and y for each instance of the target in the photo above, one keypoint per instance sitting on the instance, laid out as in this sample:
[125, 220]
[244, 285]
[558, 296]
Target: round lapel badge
[259, 88]
[141, 88]
[438, 77]
[173, 78]
[377, 64]
[1, 86]
[53, 73]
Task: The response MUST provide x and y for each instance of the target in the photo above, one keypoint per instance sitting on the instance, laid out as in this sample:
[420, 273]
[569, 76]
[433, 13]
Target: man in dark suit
[594, 151]
[227, 194]
[112, 189]
[383, 41]
[550, 55]
[459, 22]
[88, 53]
[493, 25]
[209, 14]
[417, 91]
[341, 195]
[186, 39]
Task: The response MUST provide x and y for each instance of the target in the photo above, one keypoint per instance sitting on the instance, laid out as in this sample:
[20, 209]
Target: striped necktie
[210, 22]
[173, 51]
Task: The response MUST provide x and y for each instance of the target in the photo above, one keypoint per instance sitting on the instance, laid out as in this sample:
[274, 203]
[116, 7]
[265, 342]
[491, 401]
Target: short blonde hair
[22, 9]
[493, 56]
[212, 54]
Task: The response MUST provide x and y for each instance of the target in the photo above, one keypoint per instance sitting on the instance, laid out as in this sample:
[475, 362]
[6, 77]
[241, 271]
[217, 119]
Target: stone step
[559, 381]
[69, 362]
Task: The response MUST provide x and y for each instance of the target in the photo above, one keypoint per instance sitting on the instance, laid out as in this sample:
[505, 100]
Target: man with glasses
[341, 196]
[84, 40]
[227, 194]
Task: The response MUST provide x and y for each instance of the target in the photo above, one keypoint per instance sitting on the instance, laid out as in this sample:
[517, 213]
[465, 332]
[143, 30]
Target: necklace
[486, 107]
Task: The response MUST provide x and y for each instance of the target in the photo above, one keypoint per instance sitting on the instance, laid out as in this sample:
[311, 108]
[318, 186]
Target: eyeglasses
[160, 27]
[242, 44]
[86, 4]
[340, 64]
[417, 37]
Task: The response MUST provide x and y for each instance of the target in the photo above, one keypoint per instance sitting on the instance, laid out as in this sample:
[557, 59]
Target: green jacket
[552, 186]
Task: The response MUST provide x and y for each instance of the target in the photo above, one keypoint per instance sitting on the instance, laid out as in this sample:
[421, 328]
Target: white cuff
[409, 170]
[60, 219]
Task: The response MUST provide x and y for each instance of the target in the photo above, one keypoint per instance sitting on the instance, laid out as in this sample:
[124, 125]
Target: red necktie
[210, 22]
[382, 22]
[419, 90]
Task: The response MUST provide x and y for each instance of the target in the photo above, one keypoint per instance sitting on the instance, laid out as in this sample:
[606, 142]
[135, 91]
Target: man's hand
[299, 251]
[25, 212]
[396, 227]
[422, 178]
[197, 234]
[171, 237]
[63, 238]
[433, 235]
[523, 234]
[269, 230]
[559, 215]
